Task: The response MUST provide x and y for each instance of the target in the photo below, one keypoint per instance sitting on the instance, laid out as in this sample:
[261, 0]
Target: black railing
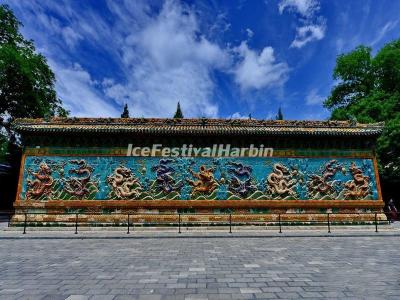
[189, 220]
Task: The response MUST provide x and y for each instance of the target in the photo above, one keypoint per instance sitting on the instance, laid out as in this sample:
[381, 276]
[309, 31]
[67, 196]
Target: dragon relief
[282, 181]
[79, 185]
[359, 187]
[71, 178]
[164, 177]
[241, 183]
[42, 184]
[123, 183]
[323, 186]
[205, 183]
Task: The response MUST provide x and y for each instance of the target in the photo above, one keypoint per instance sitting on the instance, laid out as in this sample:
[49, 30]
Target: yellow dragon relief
[206, 182]
[123, 183]
[359, 187]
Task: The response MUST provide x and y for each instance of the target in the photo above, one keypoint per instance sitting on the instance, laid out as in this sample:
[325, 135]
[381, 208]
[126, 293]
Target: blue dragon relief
[241, 182]
[165, 181]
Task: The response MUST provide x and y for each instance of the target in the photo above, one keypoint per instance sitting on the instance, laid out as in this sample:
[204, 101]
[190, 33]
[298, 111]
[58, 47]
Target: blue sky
[218, 58]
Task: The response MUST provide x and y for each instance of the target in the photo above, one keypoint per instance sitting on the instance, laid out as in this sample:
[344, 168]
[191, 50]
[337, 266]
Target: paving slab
[355, 264]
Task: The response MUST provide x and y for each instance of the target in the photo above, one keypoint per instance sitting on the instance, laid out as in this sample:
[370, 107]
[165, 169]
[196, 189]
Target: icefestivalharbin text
[185, 150]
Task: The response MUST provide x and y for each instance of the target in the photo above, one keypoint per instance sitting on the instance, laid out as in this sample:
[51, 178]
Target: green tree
[354, 70]
[26, 81]
[368, 90]
[178, 114]
[279, 115]
[125, 113]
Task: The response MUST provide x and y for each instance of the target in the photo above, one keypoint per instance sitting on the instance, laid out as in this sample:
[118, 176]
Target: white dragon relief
[282, 180]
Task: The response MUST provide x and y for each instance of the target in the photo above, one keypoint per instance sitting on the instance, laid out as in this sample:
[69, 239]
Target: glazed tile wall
[154, 178]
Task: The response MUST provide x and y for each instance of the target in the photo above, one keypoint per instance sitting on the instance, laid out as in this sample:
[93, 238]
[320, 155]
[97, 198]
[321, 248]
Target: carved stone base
[166, 212]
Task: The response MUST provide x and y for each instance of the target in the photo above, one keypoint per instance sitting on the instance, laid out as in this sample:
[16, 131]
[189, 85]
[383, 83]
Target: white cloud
[382, 32]
[78, 92]
[171, 39]
[159, 51]
[256, 71]
[313, 98]
[219, 26]
[70, 36]
[52, 25]
[306, 8]
[339, 43]
[168, 61]
[313, 27]
[249, 32]
[237, 115]
[162, 57]
[308, 33]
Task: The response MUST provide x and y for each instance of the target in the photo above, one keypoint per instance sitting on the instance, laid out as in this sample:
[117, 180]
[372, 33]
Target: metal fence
[180, 220]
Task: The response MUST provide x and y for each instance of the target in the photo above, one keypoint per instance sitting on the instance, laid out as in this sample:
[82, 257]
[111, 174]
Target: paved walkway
[198, 266]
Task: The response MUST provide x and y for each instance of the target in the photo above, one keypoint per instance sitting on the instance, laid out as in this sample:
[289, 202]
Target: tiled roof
[201, 126]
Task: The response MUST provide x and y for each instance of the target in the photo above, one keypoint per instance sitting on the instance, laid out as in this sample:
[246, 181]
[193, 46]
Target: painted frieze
[197, 178]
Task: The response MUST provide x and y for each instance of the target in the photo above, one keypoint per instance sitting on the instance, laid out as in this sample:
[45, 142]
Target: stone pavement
[212, 265]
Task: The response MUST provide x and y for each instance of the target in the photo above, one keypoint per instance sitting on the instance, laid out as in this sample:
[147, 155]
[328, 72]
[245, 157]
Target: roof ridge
[197, 126]
[192, 122]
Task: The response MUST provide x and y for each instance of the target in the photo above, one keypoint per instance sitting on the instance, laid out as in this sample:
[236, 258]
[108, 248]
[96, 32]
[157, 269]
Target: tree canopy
[279, 115]
[368, 89]
[26, 81]
[125, 113]
[178, 113]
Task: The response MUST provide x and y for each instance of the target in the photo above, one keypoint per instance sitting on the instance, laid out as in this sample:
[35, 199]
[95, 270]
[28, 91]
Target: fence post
[24, 225]
[179, 223]
[376, 223]
[128, 225]
[329, 225]
[76, 223]
[230, 223]
[280, 226]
